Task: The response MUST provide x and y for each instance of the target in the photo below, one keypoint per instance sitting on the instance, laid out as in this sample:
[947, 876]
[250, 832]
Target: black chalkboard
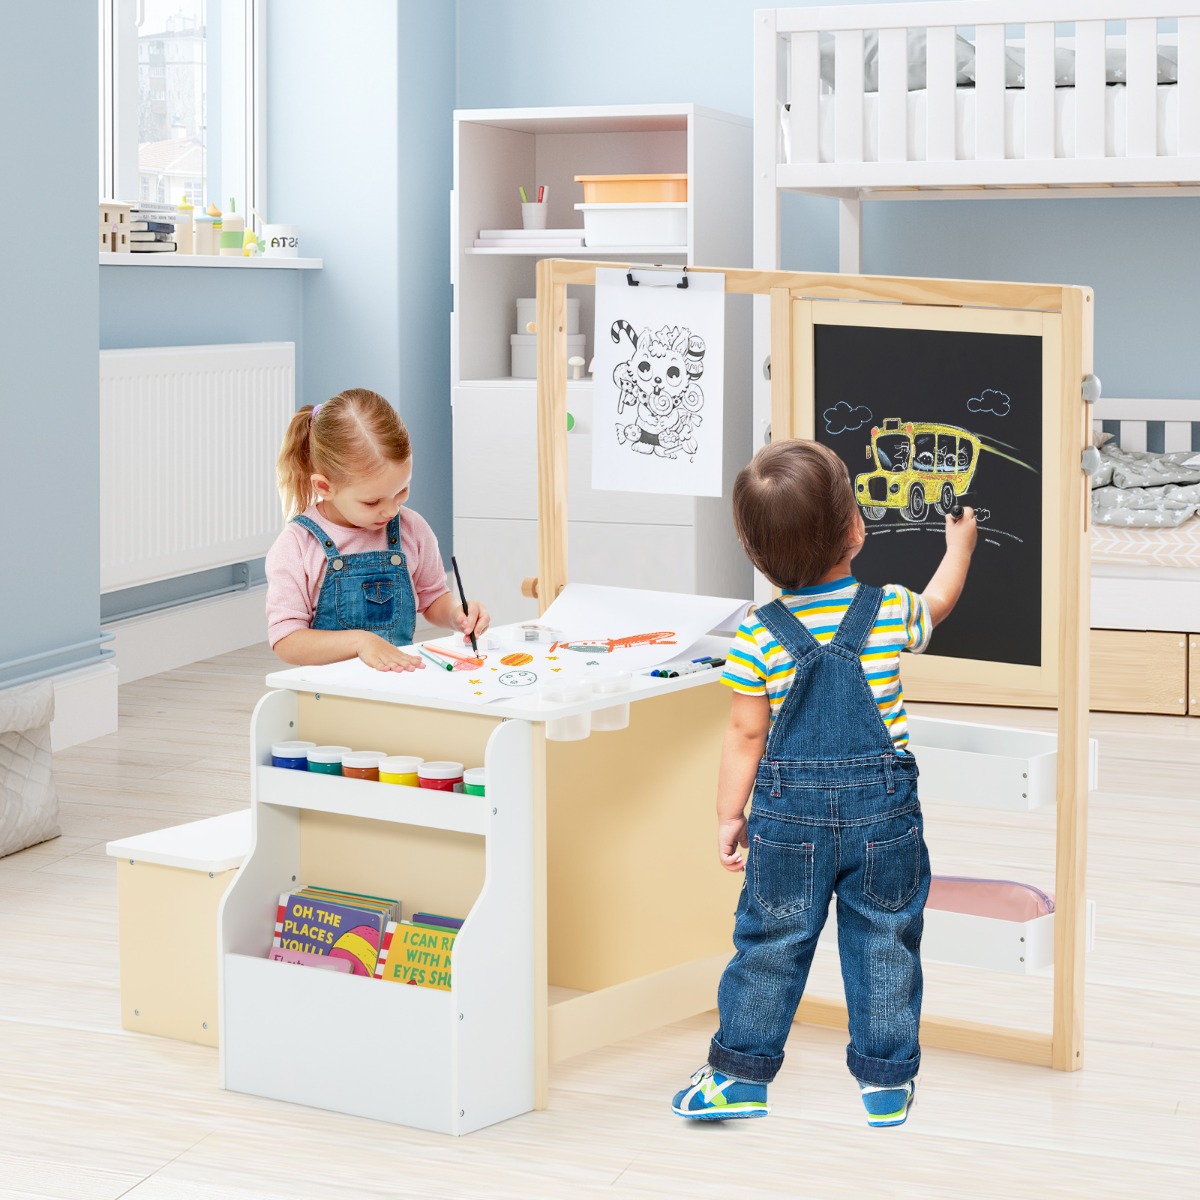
[921, 417]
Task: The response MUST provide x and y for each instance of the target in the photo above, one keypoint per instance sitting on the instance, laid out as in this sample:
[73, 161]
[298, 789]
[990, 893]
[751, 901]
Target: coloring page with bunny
[658, 396]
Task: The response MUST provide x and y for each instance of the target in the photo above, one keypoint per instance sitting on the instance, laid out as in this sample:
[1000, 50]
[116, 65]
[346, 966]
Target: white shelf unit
[434, 1055]
[654, 542]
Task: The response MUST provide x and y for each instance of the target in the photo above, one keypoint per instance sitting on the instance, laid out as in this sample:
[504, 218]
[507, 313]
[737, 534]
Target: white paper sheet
[596, 631]
[658, 395]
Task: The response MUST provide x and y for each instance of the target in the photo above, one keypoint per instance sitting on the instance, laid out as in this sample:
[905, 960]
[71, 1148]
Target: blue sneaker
[888, 1106]
[717, 1097]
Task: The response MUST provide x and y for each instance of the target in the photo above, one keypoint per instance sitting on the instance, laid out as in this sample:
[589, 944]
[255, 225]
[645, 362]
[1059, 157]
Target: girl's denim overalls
[372, 590]
[835, 811]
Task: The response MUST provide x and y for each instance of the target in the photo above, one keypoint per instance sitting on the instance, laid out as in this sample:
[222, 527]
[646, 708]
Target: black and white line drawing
[658, 381]
[990, 400]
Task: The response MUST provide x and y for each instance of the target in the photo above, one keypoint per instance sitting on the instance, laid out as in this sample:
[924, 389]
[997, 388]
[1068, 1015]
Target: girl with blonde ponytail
[353, 566]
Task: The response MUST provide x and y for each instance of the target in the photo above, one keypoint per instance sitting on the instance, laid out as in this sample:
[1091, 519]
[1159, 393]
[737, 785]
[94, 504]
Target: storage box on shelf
[634, 189]
[496, 152]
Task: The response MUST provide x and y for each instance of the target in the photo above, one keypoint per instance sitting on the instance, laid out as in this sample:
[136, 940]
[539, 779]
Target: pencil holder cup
[533, 216]
[573, 728]
[616, 717]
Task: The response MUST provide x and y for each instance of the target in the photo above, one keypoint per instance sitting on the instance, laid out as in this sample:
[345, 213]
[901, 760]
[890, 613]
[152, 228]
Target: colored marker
[524, 197]
[437, 662]
[541, 193]
[689, 668]
[956, 510]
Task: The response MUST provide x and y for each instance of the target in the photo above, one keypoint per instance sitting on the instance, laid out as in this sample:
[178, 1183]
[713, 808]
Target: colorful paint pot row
[379, 766]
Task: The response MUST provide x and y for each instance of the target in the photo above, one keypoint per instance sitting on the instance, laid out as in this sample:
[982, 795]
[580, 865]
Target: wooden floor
[91, 1112]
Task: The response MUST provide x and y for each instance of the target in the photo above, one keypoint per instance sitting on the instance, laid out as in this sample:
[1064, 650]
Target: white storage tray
[1016, 947]
[662, 224]
[992, 766]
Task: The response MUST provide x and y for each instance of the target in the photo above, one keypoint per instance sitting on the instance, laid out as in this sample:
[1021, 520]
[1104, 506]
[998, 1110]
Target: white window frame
[242, 168]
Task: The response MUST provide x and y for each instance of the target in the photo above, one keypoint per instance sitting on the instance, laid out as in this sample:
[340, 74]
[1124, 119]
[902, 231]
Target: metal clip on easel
[658, 276]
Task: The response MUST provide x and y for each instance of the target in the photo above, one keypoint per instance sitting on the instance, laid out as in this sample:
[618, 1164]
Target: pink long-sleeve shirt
[296, 567]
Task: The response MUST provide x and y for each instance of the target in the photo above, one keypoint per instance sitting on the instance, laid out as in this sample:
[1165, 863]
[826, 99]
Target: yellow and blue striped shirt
[756, 663]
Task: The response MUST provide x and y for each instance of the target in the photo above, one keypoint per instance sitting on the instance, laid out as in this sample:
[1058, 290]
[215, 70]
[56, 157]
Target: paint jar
[571, 728]
[293, 756]
[327, 760]
[363, 764]
[617, 716]
[441, 776]
[399, 768]
[475, 781]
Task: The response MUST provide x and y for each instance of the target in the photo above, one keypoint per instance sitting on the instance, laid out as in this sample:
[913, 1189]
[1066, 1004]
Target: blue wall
[49, 376]
[1140, 256]
[359, 153]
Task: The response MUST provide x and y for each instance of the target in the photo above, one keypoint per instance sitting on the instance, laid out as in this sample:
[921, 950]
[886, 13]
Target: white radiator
[188, 441]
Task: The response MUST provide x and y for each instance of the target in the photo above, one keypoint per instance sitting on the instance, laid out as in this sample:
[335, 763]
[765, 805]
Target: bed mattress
[1014, 124]
[1177, 548]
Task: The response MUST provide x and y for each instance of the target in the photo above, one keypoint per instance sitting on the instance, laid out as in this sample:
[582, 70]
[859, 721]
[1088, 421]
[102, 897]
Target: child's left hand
[475, 620]
[731, 835]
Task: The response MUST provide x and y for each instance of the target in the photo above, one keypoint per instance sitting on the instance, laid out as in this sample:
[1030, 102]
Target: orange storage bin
[633, 189]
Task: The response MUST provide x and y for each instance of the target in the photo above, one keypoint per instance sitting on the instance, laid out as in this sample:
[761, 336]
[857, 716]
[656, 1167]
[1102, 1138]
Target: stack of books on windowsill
[528, 238]
[152, 228]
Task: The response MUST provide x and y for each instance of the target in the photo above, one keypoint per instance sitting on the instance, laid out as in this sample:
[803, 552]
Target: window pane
[172, 101]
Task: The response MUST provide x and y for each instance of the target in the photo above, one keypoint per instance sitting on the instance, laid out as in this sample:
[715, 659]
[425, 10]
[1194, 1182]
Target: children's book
[416, 954]
[323, 961]
[437, 921]
[151, 227]
[317, 924]
[151, 247]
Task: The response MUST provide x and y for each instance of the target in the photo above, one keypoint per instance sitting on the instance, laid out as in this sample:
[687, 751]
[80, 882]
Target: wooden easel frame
[1064, 687]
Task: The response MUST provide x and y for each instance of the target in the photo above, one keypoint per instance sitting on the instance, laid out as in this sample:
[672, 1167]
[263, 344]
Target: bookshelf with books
[547, 873]
[438, 853]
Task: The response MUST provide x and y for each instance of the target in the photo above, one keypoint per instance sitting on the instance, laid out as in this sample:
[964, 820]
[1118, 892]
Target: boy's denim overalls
[835, 811]
[372, 590]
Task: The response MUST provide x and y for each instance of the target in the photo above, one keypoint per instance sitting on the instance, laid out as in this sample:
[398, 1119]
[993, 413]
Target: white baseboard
[85, 705]
[187, 633]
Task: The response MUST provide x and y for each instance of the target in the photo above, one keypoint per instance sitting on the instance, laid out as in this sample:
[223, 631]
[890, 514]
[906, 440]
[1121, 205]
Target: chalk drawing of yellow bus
[916, 464]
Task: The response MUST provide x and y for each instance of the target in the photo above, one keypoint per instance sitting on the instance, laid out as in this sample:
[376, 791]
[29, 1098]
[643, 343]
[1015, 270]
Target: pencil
[463, 597]
[437, 662]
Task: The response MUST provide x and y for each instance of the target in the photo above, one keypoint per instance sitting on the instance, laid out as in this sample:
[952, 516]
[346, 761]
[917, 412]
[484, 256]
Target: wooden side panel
[1140, 671]
[1194, 675]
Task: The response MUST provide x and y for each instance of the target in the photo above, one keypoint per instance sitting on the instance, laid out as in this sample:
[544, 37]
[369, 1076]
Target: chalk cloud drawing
[990, 400]
[658, 382]
[844, 417]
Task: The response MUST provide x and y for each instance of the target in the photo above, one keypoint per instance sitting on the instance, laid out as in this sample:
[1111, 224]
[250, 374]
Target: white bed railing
[1144, 424]
[810, 70]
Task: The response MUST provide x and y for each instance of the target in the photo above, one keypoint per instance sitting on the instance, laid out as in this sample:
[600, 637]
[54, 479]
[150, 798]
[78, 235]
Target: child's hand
[962, 532]
[730, 835]
[475, 620]
[379, 653]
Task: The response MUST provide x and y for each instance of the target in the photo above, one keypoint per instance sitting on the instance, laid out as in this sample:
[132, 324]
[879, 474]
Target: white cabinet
[669, 543]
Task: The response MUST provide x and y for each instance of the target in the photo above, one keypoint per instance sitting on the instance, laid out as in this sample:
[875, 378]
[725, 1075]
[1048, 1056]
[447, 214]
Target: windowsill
[256, 263]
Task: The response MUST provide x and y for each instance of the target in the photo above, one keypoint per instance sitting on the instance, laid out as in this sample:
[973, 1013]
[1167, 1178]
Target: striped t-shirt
[757, 663]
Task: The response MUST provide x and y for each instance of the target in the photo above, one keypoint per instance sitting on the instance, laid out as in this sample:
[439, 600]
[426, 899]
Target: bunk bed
[996, 99]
